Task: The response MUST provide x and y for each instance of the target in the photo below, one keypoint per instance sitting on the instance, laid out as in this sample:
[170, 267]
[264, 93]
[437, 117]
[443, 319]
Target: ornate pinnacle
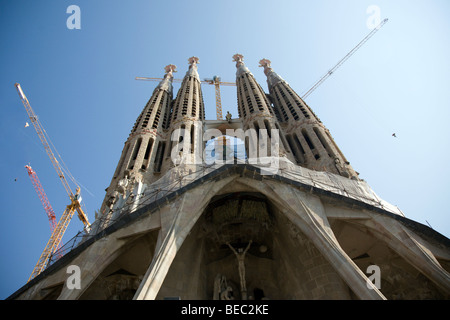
[192, 72]
[170, 69]
[266, 64]
[238, 58]
[193, 61]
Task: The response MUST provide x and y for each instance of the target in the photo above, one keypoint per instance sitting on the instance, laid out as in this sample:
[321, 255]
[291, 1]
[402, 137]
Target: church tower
[143, 152]
[174, 227]
[187, 116]
[309, 140]
[255, 109]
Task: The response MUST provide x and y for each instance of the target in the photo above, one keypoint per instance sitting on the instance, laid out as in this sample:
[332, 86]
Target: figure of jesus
[240, 255]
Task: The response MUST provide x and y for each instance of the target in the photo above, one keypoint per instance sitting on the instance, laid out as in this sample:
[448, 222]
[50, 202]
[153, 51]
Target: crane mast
[43, 197]
[41, 133]
[55, 238]
[75, 199]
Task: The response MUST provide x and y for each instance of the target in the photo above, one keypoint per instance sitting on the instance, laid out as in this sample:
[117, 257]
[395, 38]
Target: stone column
[176, 224]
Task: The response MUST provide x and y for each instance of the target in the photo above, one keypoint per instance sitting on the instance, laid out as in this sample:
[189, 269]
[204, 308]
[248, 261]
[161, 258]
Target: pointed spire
[189, 100]
[272, 77]
[241, 68]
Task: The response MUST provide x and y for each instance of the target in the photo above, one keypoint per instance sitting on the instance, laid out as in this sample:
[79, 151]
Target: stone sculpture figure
[240, 255]
[222, 291]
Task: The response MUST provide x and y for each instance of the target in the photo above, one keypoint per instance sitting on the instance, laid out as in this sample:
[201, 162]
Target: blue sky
[81, 85]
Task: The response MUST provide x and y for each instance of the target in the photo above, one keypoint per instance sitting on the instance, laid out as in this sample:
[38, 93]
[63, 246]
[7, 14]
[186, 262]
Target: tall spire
[189, 100]
[158, 106]
[310, 141]
[188, 111]
[251, 97]
[140, 155]
[254, 107]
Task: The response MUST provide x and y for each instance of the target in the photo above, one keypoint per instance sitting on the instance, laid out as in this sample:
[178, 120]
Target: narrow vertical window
[159, 156]
[147, 154]
[269, 128]
[135, 153]
[299, 145]
[136, 149]
[324, 143]
[192, 138]
[255, 124]
[310, 144]
[296, 148]
[122, 159]
[307, 139]
[283, 138]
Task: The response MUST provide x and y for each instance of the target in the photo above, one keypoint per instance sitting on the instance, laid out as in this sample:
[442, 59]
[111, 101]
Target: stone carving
[112, 199]
[222, 291]
[122, 185]
[228, 116]
[193, 61]
[240, 256]
[170, 69]
[266, 64]
[121, 286]
[238, 58]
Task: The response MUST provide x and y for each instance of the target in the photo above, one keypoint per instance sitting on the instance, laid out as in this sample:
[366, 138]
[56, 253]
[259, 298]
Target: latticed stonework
[309, 140]
[173, 225]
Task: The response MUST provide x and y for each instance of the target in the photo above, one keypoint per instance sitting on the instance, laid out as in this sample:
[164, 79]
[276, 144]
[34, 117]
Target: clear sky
[81, 83]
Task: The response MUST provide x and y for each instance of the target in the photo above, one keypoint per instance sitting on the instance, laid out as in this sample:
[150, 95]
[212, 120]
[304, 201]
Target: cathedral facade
[262, 206]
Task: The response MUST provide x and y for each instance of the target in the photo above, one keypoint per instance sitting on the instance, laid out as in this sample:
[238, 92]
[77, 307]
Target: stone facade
[181, 229]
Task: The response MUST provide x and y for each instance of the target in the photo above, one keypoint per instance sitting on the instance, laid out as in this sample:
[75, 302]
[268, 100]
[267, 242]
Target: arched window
[135, 153]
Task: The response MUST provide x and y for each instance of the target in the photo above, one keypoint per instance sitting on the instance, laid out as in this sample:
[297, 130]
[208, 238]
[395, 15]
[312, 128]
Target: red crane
[43, 197]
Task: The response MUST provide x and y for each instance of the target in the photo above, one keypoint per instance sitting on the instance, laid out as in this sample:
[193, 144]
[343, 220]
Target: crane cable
[341, 62]
[63, 165]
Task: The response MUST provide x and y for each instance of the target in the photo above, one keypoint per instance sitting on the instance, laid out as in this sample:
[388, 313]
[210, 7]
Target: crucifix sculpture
[240, 255]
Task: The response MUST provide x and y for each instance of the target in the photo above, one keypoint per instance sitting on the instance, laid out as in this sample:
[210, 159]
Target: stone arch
[307, 214]
[281, 263]
[120, 278]
[402, 276]
[181, 236]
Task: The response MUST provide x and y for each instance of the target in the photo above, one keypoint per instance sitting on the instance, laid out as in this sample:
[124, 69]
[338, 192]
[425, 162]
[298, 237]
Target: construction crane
[217, 83]
[75, 199]
[214, 81]
[332, 70]
[43, 197]
[44, 200]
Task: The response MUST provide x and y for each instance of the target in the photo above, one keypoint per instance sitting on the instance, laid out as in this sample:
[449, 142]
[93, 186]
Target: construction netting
[184, 174]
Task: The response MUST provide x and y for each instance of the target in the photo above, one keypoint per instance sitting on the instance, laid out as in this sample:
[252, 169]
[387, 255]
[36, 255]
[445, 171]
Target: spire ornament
[238, 58]
[193, 61]
[170, 69]
[241, 68]
[266, 64]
